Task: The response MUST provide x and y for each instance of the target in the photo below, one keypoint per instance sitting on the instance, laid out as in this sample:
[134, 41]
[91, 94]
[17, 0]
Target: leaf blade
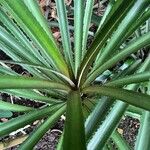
[133, 47]
[74, 122]
[100, 39]
[14, 107]
[135, 78]
[35, 29]
[78, 32]
[16, 123]
[63, 24]
[13, 82]
[133, 98]
[30, 142]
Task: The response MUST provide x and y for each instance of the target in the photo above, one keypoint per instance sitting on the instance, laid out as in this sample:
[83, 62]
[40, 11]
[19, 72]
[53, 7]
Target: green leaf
[103, 106]
[110, 123]
[132, 114]
[7, 70]
[116, 39]
[116, 113]
[110, 9]
[22, 38]
[5, 113]
[97, 115]
[101, 39]
[14, 107]
[30, 142]
[139, 21]
[60, 142]
[31, 25]
[135, 78]
[133, 98]
[31, 94]
[143, 137]
[119, 141]
[36, 11]
[19, 35]
[78, 32]
[131, 48]
[55, 75]
[10, 41]
[74, 136]
[12, 54]
[107, 127]
[21, 51]
[134, 110]
[86, 24]
[21, 121]
[64, 29]
[13, 82]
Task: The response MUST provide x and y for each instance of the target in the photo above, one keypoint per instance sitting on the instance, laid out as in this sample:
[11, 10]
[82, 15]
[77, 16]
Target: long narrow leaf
[10, 41]
[97, 115]
[78, 31]
[23, 120]
[137, 24]
[110, 123]
[74, 136]
[30, 142]
[115, 42]
[133, 47]
[12, 54]
[36, 11]
[55, 75]
[30, 94]
[103, 133]
[60, 142]
[133, 98]
[86, 24]
[19, 49]
[101, 39]
[143, 138]
[12, 82]
[135, 78]
[15, 30]
[102, 107]
[63, 24]
[111, 8]
[32, 27]
[119, 141]
[14, 107]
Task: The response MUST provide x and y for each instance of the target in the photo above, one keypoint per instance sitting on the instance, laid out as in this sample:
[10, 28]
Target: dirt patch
[130, 127]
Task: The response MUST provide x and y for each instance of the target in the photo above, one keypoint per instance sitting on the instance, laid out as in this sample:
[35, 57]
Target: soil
[130, 127]
[49, 140]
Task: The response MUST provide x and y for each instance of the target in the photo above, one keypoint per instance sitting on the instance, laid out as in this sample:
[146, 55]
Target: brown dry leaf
[68, 2]
[42, 3]
[36, 122]
[56, 35]
[53, 13]
[26, 74]
[4, 119]
[48, 2]
[120, 131]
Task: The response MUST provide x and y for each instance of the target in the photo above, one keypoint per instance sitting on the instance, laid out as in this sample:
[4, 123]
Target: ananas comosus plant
[81, 80]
